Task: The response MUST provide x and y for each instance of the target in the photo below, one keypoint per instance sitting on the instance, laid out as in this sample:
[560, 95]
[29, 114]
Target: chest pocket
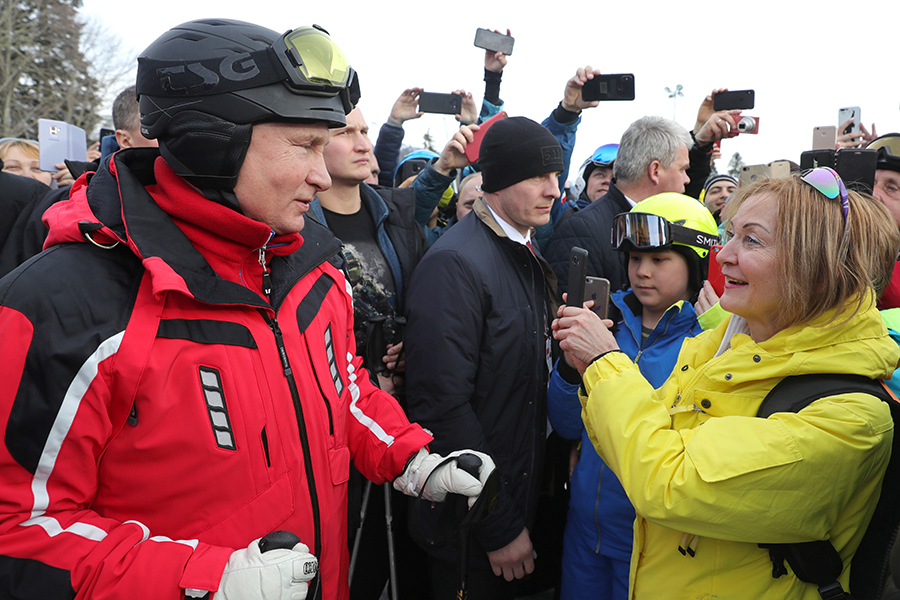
[732, 446]
[325, 337]
[307, 311]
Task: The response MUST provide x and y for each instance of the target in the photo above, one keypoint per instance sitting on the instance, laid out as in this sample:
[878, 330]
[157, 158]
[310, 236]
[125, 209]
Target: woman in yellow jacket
[708, 479]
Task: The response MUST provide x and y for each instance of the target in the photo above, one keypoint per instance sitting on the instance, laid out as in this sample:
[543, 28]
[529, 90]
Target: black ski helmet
[203, 84]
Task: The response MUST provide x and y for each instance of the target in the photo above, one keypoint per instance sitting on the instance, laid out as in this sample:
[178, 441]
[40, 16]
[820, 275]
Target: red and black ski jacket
[160, 410]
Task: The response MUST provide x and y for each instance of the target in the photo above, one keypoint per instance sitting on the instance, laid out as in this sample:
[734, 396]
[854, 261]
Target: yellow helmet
[663, 220]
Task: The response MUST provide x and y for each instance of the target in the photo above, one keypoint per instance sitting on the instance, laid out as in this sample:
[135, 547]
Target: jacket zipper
[266, 278]
[272, 321]
[597, 507]
[304, 437]
[540, 317]
[665, 330]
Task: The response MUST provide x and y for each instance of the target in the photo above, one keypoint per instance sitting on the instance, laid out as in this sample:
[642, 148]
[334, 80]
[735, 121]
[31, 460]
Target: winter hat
[515, 149]
[715, 178]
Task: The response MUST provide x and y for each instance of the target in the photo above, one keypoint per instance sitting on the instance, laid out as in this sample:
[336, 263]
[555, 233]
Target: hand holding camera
[720, 125]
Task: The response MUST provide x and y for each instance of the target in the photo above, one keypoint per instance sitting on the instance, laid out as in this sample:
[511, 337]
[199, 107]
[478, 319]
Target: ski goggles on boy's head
[645, 231]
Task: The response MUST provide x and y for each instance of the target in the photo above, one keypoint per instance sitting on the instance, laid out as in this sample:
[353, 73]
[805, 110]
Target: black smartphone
[734, 100]
[578, 260]
[104, 132]
[597, 289]
[445, 104]
[410, 167]
[493, 41]
[617, 86]
[856, 166]
[810, 159]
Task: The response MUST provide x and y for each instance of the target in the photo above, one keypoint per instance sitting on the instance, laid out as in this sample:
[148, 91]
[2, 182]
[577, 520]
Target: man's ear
[653, 171]
[123, 139]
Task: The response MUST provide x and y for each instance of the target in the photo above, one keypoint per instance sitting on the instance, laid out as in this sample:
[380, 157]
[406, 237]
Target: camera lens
[746, 125]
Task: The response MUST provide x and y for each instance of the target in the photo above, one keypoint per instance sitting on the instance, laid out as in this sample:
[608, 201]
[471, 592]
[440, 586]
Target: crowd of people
[219, 336]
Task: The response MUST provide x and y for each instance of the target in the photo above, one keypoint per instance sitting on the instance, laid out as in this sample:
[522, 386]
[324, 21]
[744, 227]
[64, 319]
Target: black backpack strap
[818, 562]
[815, 562]
[871, 564]
[794, 393]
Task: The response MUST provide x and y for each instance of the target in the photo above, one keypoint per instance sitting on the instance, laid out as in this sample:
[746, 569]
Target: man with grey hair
[126, 116]
[654, 157]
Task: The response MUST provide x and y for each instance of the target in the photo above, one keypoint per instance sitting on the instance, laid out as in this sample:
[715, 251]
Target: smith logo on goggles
[646, 231]
[305, 60]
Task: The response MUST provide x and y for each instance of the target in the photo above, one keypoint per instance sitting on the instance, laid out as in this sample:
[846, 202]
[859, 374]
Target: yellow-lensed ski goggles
[645, 231]
[890, 144]
[306, 60]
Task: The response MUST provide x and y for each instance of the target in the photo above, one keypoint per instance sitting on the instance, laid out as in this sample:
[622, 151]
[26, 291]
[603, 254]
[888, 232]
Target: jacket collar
[119, 200]
[849, 344]
[373, 202]
[484, 215]
[681, 315]
[481, 210]
[616, 199]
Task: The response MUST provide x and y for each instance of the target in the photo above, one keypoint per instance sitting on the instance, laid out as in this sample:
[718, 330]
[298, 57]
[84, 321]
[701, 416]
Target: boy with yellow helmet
[667, 238]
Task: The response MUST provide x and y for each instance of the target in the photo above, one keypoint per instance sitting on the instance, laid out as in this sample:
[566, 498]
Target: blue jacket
[598, 503]
[400, 238]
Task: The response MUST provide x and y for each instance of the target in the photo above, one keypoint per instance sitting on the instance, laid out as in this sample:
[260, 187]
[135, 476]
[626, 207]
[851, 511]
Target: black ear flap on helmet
[205, 150]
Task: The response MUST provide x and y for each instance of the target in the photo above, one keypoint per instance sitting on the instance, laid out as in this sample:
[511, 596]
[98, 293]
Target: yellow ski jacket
[708, 477]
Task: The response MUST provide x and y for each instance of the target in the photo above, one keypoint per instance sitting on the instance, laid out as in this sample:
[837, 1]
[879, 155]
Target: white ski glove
[277, 574]
[447, 476]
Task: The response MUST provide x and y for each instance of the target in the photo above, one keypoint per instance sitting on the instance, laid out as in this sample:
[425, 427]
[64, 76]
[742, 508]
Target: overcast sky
[805, 60]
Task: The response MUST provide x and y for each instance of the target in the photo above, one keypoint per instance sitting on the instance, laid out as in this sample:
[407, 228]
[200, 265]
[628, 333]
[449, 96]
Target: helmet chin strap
[207, 151]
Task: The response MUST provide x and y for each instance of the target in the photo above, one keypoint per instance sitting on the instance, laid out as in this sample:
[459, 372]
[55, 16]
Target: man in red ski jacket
[178, 371]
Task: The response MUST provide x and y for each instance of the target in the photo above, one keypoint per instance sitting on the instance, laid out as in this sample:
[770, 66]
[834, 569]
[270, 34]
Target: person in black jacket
[17, 195]
[655, 155]
[382, 244]
[478, 354]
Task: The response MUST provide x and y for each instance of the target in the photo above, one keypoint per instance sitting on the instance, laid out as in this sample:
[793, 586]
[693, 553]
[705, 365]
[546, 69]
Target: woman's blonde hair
[29, 147]
[824, 262]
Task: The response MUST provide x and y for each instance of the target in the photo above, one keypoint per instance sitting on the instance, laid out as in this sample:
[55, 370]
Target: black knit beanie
[515, 149]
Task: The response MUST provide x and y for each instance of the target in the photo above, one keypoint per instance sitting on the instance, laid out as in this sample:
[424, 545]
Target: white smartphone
[60, 141]
[846, 114]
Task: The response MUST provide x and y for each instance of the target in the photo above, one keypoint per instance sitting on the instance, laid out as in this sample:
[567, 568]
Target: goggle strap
[692, 237]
